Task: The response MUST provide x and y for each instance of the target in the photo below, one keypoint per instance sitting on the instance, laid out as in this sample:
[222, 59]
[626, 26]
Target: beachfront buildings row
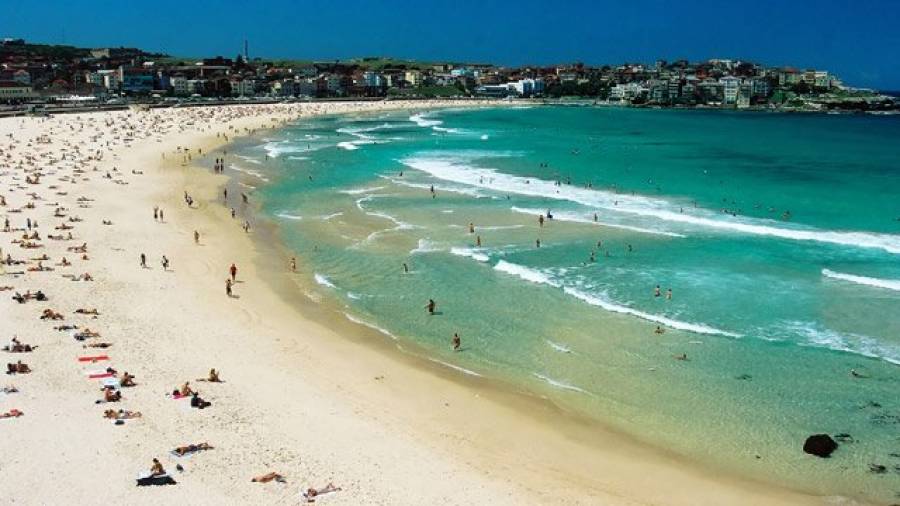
[30, 70]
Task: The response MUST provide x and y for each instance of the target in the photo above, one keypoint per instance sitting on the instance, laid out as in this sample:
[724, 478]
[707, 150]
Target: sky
[857, 40]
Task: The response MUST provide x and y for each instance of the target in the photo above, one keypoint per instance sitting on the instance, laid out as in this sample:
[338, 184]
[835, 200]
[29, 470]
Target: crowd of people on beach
[38, 174]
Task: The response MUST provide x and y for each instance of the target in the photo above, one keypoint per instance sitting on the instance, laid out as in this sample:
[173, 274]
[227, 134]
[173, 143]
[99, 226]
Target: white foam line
[560, 384]
[539, 277]
[558, 347]
[889, 284]
[289, 216]
[360, 191]
[562, 216]
[473, 253]
[250, 172]
[455, 367]
[454, 168]
[370, 325]
[322, 280]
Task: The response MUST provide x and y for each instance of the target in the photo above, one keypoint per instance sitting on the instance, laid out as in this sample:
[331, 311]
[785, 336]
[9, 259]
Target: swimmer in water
[405, 268]
[669, 294]
[478, 241]
[471, 228]
[659, 330]
[656, 291]
[537, 243]
[456, 342]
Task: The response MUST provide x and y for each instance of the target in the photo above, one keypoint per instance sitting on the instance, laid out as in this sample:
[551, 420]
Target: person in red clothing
[233, 271]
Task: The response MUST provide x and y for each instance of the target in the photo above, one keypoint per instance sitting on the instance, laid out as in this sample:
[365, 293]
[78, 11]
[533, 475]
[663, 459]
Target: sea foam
[456, 168]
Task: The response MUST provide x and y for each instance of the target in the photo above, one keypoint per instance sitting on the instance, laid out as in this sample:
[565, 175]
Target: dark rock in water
[877, 468]
[844, 438]
[820, 445]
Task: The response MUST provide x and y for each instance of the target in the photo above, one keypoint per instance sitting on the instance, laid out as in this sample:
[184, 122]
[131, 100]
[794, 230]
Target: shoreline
[313, 402]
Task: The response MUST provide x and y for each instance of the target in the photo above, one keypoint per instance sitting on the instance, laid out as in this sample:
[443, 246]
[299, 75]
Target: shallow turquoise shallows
[778, 236]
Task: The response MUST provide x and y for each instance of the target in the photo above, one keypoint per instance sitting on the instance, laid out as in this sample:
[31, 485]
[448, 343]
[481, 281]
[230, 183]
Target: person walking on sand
[161, 219]
[430, 306]
[293, 264]
[228, 287]
[155, 213]
[143, 260]
[456, 341]
[165, 263]
[196, 237]
[233, 271]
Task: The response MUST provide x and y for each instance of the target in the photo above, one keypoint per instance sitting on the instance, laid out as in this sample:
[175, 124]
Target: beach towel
[99, 374]
[95, 358]
[145, 480]
[110, 382]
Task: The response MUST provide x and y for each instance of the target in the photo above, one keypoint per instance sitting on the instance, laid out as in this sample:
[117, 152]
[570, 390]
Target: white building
[627, 91]
[730, 87]
[372, 80]
[528, 87]
[413, 77]
[179, 85]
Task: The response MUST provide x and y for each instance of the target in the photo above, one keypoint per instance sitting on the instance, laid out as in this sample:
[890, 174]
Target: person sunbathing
[198, 402]
[17, 368]
[213, 376]
[92, 311]
[266, 478]
[127, 380]
[311, 493]
[86, 333]
[49, 314]
[9, 390]
[64, 328]
[121, 414]
[16, 346]
[97, 345]
[65, 263]
[157, 469]
[186, 389]
[111, 395]
[13, 413]
[183, 450]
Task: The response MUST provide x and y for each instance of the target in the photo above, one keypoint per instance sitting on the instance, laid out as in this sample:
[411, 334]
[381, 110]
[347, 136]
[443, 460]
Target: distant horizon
[856, 43]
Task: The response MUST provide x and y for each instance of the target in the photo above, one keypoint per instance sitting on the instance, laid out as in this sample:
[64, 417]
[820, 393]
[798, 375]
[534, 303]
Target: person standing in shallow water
[457, 342]
[430, 306]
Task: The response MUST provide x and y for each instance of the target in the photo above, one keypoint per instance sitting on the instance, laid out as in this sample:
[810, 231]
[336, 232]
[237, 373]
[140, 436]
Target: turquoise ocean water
[778, 235]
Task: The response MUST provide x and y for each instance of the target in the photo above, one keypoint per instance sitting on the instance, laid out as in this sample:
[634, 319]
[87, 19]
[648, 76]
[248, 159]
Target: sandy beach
[315, 399]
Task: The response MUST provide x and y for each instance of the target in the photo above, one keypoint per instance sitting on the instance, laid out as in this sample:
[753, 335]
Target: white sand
[316, 404]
